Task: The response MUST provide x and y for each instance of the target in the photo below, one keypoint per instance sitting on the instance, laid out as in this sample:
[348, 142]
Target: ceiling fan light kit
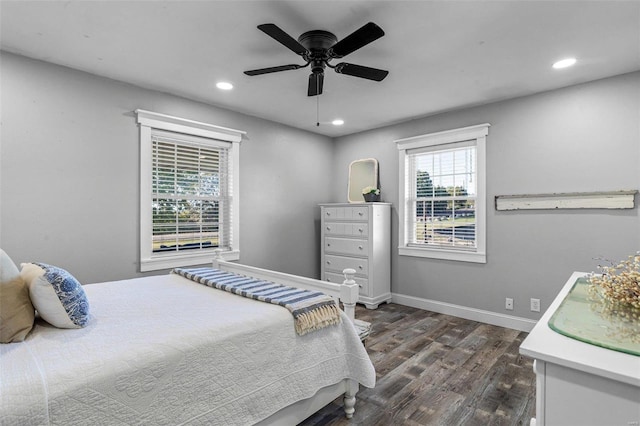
[317, 48]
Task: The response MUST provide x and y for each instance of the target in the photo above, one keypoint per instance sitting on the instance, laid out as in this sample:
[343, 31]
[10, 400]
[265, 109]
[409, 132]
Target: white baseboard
[488, 317]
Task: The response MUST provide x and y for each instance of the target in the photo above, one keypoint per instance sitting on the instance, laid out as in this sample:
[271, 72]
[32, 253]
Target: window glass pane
[186, 196]
[210, 183]
[443, 207]
[464, 185]
[424, 184]
[461, 160]
[464, 226]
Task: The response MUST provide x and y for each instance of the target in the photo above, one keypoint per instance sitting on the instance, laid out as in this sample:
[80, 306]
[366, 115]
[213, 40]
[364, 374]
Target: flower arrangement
[619, 283]
[623, 320]
[370, 190]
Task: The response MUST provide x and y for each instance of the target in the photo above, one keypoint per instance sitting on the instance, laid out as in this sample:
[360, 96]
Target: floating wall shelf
[573, 200]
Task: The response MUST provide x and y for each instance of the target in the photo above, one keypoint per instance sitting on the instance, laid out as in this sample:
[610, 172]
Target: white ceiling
[441, 55]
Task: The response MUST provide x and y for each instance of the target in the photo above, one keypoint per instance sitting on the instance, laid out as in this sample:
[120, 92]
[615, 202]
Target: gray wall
[69, 181]
[581, 138]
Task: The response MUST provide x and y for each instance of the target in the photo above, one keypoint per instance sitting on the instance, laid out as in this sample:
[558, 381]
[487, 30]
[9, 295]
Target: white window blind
[191, 194]
[441, 199]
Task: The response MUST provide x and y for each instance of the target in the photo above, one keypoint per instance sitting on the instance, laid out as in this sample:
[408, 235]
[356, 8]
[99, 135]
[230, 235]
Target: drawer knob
[328, 244]
[328, 228]
[360, 267]
[360, 230]
[328, 262]
[328, 214]
[360, 247]
[360, 214]
[360, 285]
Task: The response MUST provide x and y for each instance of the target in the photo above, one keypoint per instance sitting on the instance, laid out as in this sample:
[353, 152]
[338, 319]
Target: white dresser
[578, 383]
[358, 236]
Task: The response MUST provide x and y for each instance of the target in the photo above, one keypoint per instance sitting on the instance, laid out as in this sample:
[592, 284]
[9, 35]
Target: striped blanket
[311, 310]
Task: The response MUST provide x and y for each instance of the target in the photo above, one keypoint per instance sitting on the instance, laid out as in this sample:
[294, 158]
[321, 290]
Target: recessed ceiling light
[337, 122]
[224, 85]
[564, 63]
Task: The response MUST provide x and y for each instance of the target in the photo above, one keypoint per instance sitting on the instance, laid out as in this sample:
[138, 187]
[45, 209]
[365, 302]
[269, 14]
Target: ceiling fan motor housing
[317, 42]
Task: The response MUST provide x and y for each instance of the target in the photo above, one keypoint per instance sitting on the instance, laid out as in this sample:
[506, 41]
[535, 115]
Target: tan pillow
[16, 311]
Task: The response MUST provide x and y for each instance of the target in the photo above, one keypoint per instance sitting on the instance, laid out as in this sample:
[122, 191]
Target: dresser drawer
[335, 278]
[346, 213]
[346, 246]
[348, 229]
[340, 263]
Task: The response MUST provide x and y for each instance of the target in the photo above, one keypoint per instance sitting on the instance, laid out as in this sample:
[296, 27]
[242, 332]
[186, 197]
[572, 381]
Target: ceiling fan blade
[273, 31]
[360, 37]
[361, 71]
[316, 80]
[273, 69]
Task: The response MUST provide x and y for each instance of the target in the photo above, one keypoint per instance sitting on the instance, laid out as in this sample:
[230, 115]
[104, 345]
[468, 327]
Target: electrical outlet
[508, 304]
[535, 305]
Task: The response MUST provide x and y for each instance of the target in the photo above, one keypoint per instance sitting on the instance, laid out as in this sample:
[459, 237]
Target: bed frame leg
[350, 398]
[349, 405]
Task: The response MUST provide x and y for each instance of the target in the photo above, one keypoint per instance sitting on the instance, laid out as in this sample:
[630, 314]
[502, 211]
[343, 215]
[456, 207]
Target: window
[442, 190]
[188, 191]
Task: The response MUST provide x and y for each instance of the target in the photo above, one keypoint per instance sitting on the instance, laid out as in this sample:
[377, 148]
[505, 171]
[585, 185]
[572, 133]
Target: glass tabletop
[585, 316]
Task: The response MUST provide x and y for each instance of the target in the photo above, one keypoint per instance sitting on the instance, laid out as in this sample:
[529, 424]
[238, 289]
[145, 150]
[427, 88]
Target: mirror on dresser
[362, 173]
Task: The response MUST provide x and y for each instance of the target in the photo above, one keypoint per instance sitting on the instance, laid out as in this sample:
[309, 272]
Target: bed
[165, 350]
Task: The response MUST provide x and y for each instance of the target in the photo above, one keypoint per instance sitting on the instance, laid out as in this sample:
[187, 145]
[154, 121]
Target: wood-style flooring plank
[435, 369]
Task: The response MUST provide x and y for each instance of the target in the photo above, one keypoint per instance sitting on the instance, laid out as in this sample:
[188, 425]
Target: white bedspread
[167, 351]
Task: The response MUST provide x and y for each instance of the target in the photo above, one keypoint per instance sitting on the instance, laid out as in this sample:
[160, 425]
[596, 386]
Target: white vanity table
[579, 383]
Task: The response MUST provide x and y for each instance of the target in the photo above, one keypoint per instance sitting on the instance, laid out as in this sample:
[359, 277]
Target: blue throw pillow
[57, 296]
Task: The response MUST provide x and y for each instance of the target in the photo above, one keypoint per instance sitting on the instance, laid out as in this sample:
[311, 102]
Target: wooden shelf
[574, 200]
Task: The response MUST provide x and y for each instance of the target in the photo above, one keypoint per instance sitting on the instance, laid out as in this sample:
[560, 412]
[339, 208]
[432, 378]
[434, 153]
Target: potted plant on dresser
[371, 194]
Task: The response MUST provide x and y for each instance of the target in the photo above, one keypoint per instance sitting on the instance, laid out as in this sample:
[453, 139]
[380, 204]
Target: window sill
[461, 256]
[169, 261]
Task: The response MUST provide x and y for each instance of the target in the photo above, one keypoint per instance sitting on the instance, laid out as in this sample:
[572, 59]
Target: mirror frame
[359, 178]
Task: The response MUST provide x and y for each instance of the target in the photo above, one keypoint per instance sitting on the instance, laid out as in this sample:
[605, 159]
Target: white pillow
[57, 296]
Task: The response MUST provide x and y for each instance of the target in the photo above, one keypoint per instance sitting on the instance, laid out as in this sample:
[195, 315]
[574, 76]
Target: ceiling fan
[318, 48]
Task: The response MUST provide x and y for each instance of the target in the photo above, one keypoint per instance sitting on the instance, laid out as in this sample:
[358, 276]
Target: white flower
[370, 190]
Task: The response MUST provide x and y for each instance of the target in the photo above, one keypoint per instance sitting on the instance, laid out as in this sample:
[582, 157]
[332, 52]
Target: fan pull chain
[317, 110]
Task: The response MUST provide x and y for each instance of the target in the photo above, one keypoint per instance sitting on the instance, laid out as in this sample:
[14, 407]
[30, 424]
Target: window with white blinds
[188, 191]
[191, 195]
[443, 203]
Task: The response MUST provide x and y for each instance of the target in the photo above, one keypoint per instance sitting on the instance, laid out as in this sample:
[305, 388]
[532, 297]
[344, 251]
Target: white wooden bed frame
[347, 293]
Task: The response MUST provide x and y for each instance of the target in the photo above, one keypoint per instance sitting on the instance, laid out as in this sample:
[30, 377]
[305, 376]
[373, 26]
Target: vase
[371, 198]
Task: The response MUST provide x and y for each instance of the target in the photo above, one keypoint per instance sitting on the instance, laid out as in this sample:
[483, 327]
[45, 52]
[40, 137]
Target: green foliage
[426, 189]
[184, 201]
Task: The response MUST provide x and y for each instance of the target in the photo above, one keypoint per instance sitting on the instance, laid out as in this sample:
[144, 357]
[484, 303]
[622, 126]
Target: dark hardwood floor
[435, 369]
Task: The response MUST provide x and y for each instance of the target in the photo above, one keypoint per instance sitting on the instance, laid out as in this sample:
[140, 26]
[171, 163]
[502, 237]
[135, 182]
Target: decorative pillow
[16, 311]
[57, 296]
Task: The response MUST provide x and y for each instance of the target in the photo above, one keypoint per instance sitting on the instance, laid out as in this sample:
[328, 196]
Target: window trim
[470, 133]
[148, 121]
